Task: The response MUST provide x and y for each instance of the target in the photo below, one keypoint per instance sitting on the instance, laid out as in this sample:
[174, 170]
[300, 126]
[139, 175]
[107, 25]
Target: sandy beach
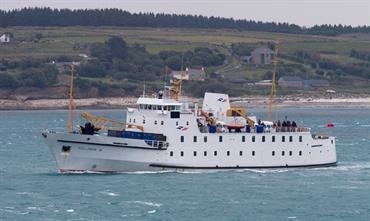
[121, 102]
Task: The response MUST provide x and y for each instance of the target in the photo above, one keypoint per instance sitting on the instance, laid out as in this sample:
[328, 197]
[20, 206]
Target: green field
[73, 41]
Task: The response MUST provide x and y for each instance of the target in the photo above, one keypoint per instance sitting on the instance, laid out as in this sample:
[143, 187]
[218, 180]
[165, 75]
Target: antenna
[273, 82]
[70, 105]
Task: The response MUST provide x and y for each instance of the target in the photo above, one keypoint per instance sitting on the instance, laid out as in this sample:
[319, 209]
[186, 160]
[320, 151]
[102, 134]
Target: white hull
[104, 154]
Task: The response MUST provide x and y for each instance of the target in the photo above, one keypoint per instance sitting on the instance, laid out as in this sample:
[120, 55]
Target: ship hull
[101, 153]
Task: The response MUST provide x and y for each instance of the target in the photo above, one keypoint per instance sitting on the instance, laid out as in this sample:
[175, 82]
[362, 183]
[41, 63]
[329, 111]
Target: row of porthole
[182, 139]
[228, 153]
[205, 153]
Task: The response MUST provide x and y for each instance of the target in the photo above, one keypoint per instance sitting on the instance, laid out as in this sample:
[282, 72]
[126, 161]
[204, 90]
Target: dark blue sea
[32, 189]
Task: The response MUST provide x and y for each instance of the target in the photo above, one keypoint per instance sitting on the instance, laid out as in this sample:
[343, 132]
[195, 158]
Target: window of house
[215, 153]
[155, 122]
[253, 153]
[273, 153]
[134, 121]
[263, 138]
[243, 139]
[300, 153]
[290, 138]
[220, 138]
[195, 153]
[187, 123]
[290, 153]
[240, 153]
[143, 121]
[253, 138]
[171, 153]
[283, 139]
[300, 139]
[282, 153]
[205, 139]
[205, 153]
[228, 153]
[182, 153]
[195, 139]
[162, 122]
[182, 139]
[273, 138]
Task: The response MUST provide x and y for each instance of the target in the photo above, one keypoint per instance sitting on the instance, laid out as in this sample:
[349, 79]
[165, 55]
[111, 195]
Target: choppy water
[31, 189]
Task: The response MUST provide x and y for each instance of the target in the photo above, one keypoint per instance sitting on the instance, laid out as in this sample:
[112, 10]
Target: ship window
[165, 108]
[282, 153]
[273, 138]
[159, 107]
[290, 138]
[195, 153]
[182, 139]
[240, 153]
[182, 153]
[155, 122]
[220, 138]
[283, 139]
[187, 123]
[162, 122]
[228, 153]
[273, 153]
[300, 138]
[263, 138]
[175, 114]
[300, 153]
[149, 107]
[205, 139]
[195, 139]
[253, 153]
[171, 153]
[243, 138]
[290, 153]
[205, 153]
[215, 153]
[253, 139]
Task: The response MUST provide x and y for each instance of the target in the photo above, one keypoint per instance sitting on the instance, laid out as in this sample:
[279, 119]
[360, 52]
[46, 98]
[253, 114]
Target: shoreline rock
[122, 102]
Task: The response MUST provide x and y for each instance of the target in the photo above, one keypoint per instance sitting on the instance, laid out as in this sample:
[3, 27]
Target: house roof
[290, 78]
[263, 50]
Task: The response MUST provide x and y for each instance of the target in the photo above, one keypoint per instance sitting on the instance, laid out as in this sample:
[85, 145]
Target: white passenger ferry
[167, 133]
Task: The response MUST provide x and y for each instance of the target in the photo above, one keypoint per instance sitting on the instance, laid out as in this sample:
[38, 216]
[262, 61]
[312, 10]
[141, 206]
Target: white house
[5, 38]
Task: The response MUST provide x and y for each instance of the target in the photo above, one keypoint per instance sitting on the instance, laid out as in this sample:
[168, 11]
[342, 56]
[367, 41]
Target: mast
[273, 82]
[70, 104]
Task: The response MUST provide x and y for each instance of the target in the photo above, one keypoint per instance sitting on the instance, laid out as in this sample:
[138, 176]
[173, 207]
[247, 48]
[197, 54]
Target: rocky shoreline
[121, 102]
